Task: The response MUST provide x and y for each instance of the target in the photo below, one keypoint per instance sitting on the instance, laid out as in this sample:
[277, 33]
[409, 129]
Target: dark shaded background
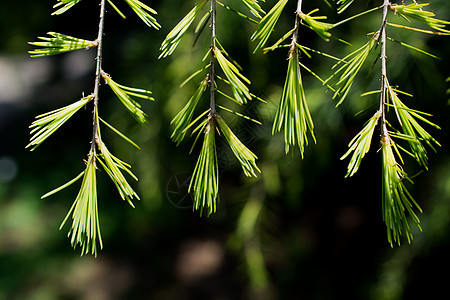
[321, 236]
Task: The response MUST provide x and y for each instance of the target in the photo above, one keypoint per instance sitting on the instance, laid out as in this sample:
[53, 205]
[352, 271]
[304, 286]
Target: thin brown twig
[212, 59]
[98, 73]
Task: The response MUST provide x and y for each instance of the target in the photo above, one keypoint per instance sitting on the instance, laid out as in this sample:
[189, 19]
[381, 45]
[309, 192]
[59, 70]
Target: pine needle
[396, 200]
[321, 28]
[205, 178]
[410, 127]
[144, 12]
[182, 120]
[246, 158]
[416, 12]
[267, 24]
[124, 94]
[348, 71]
[67, 4]
[240, 90]
[293, 115]
[112, 166]
[85, 230]
[360, 145]
[59, 43]
[176, 34]
[46, 124]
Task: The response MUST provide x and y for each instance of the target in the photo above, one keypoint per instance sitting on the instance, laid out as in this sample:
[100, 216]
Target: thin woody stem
[293, 48]
[384, 134]
[297, 25]
[212, 59]
[98, 73]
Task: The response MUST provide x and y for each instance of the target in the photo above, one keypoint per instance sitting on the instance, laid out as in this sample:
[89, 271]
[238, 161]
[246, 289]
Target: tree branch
[296, 26]
[98, 73]
[212, 59]
[382, 39]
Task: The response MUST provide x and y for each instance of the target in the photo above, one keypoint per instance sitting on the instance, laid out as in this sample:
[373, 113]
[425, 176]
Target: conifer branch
[98, 74]
[85, 229]
[59, 43]
[212, 99]
[398, 205]
[383, 57]
[293, 116]
[205, 179]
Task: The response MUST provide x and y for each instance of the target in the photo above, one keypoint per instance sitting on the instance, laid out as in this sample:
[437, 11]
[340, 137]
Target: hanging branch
[205, 178]
[98, 71]
[293, 116]
[85, 229]
[398, 205]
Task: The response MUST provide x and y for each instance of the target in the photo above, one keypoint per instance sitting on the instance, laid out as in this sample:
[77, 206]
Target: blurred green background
[299, 231]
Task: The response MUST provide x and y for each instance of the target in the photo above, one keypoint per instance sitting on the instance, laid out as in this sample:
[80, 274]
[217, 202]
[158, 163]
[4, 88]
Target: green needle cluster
[59, 43]
[124, 94]
[415, 134]
[183, 119]
[321, 28]
[46, 124]
[236, 80]
[360, 145]
[114, 167]
[246, 157]
[293, 116]
[343, 5]
[144, 12]
[416, 12]
[254, 7]
[176, 34]
[396, 200]
[267, 24]
[346, 74]
[66, 5]
[85, 230]
[205, 178]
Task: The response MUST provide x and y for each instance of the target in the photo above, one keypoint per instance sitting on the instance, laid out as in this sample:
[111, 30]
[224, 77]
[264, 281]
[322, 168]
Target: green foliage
[124, 94]
[321, 28]
[176, 34]
[360, 145]
[183, 119]
[351, 64]
[343, 5]
[416, 12]
[46, 124]
[412, 129]
[66, 5]
[293, 116]
[59, 43]
[144, 12]
[396, 199]
[205, 178]
[267, 24]
[246, 157]
[254, 7]
[240, 90]
[85, 230]
[113, 167]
